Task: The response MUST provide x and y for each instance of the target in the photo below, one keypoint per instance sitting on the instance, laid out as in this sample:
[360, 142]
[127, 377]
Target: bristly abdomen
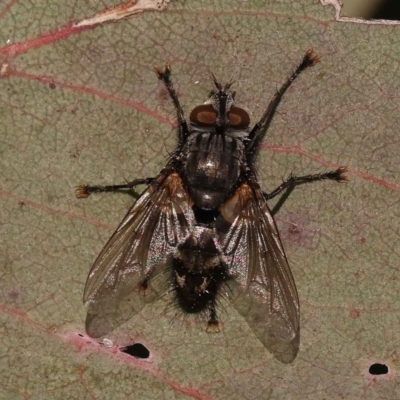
[197, 291]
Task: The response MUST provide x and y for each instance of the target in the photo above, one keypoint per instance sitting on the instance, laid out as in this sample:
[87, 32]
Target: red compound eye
[238, 118]
[203, 115]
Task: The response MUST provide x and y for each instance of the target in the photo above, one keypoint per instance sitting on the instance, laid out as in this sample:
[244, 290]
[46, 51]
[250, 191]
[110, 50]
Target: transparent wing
[263, 289]
[140, 247]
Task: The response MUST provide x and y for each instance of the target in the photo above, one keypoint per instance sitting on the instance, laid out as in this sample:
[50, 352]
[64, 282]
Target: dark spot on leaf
[162, 95]
[52, 86]
[354, 313]
[75, 153]
[13, 294]
[294, 229]
[136, 350]
[80, 334]
[378, 369]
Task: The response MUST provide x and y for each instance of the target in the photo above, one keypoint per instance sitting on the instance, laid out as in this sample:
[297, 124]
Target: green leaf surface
[80, 103]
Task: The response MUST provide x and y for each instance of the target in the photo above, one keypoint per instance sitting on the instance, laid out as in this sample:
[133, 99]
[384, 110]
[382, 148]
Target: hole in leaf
[388, 9]
[373, 9]
[136, 350]
[378, 369]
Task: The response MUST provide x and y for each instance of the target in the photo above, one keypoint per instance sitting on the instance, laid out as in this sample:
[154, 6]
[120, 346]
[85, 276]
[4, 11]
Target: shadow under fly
[202, 228]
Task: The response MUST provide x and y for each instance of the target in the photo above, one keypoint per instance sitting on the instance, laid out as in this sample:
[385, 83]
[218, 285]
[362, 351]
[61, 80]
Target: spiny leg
[258, 132]
[165, 76]
[213, 324]
[83, 191]
[336, 175]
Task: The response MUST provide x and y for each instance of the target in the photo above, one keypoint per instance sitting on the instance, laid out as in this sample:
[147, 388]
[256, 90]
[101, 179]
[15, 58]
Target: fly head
[219, 110]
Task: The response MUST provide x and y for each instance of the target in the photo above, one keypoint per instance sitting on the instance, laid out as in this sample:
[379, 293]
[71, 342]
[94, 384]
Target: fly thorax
[212, 167]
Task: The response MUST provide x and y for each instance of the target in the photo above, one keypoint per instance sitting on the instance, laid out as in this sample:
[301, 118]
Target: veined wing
[263, 288]
[140, 246]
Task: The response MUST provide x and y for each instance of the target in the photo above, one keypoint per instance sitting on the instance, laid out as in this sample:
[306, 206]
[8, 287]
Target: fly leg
[165, 76]
[289, 184]
[83, 191]
[292, 181]
[258, 132]
[213, 324]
